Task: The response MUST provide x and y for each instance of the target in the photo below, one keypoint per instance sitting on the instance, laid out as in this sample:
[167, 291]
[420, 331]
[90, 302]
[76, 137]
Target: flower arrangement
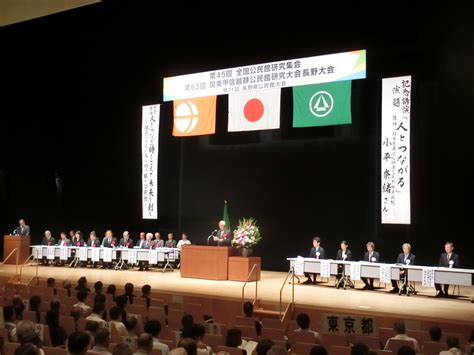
[247, 234]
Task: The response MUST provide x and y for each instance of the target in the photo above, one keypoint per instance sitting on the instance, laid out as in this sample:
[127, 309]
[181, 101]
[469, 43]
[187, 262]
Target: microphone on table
[211, 235]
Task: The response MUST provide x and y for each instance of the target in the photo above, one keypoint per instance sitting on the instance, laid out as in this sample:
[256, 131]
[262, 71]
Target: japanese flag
[253, 111]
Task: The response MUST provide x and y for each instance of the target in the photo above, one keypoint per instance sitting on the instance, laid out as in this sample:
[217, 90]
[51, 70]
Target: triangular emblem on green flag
[322, 104]
[225, 217]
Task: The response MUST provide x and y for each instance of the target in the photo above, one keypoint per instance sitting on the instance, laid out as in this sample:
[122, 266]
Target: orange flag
[194, 117]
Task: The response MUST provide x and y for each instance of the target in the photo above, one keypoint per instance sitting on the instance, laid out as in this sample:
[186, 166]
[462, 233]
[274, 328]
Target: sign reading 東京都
[279, 74]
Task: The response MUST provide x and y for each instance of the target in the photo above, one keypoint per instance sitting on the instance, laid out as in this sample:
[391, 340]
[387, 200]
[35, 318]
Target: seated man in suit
[108, 242]
[405, 258]
[125, 241]
[147, 244]
[49, 241]
[447, 259]
[343, 254]
[93, 242]
[371, 256]
[316, 252]
[159, 243]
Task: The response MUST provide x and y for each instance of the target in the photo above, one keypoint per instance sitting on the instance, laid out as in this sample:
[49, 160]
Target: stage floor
[324, 296]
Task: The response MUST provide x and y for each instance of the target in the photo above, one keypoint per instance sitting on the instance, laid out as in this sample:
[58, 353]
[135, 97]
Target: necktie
[449, 257]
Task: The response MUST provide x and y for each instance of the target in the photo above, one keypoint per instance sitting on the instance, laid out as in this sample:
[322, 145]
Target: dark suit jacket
[348, 253]
[375, 255]
[96, 243]
[159, 243]
[24, 232]
[401, 258]
[322, 253]
[107, 244]
[147, 244]
[443, 260]
[78, 243]
[170, 243]
[129, 242]
[51, 241]
[66, 242]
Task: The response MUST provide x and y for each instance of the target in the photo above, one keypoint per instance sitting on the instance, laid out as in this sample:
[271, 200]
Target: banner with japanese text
[272, 75]
[150, 135]
[348, 324]
[395, 150]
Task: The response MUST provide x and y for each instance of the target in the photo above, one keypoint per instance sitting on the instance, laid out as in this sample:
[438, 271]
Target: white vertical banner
[428, 277]
[395, 174]
[299, 266]
[355, 271]
[150, 135]
[385, 273]
[325, 268]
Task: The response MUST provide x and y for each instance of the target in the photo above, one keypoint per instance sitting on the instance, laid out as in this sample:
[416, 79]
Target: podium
[240, 267]
[205, 262]
[21, 243]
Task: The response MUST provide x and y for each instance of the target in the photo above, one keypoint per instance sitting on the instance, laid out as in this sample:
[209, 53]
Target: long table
[442, 275]
[131, 256]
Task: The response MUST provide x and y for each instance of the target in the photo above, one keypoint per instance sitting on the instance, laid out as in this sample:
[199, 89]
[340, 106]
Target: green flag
[225, 217]
[322, 104]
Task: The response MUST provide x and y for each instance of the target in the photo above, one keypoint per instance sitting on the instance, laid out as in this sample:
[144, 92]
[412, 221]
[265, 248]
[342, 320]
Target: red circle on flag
[253, 110]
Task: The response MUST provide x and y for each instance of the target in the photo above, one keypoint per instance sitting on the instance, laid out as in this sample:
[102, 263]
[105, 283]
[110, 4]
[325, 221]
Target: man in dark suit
[93, 242]
[47, 240]
[223, 236]
[405, 258]
[316, 252]
[22, 230]
[371, 256]
[125, 241]
[343, 254]
[108, 242]
[63, 242]
[447, 259]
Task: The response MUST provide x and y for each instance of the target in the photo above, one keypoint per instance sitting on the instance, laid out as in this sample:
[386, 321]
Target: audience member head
[277, 350]
[100, 298]
[189, 345]
[146, 290]
[76, 313]
[302, 319]
[263, 346]
[248, 309]
[435, 333]
[27, 349]
[91, 326]
[199, 332]
[26, 332]
[115, 313]
[82, 282]
[121, 301]
[359, 349]
[52, 319]
[51, 282]
[318, 350]
[187, 321]
[8, 314]
[145, 343]
[451, 342]
[77, 343]
[18, 306]
[55, 305]
[111, 289]
[129, 288]
[98, 308]
[406, 350]
[102, 337]
[233, 338]
[122, 349]
[98, 287]
[131, 323]
[153, 327]
[399, 327]
[81, 295]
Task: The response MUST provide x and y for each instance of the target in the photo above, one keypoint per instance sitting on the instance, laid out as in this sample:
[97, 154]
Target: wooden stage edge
[323, 297]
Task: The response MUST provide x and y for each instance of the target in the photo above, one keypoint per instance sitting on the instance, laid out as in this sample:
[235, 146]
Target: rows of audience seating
[63, 317]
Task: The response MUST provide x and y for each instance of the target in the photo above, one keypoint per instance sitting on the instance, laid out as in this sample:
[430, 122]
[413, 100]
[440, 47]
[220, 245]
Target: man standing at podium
[222, 237]
[23, 230]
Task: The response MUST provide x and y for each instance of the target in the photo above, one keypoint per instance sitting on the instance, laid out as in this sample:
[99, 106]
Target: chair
[230, 350]
[420, 335]
[157, 313]
[194, 309]
[154, 302]
[214, 341]
[339, 350]
[433, 347]
[137, 310]
[298, 336]
[271, 323]
[54, 351]
[385, 334]
[10, 348]
[216, 328]
[333, 340]
[371, 342]
[67, 322]
[270, 333]
[395, 344]
[302, 348]
[247, 331]
[382, 352]
[247, 321]
[174, 318]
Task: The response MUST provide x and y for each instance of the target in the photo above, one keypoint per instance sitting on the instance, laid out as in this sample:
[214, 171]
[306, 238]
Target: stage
[423, 306]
